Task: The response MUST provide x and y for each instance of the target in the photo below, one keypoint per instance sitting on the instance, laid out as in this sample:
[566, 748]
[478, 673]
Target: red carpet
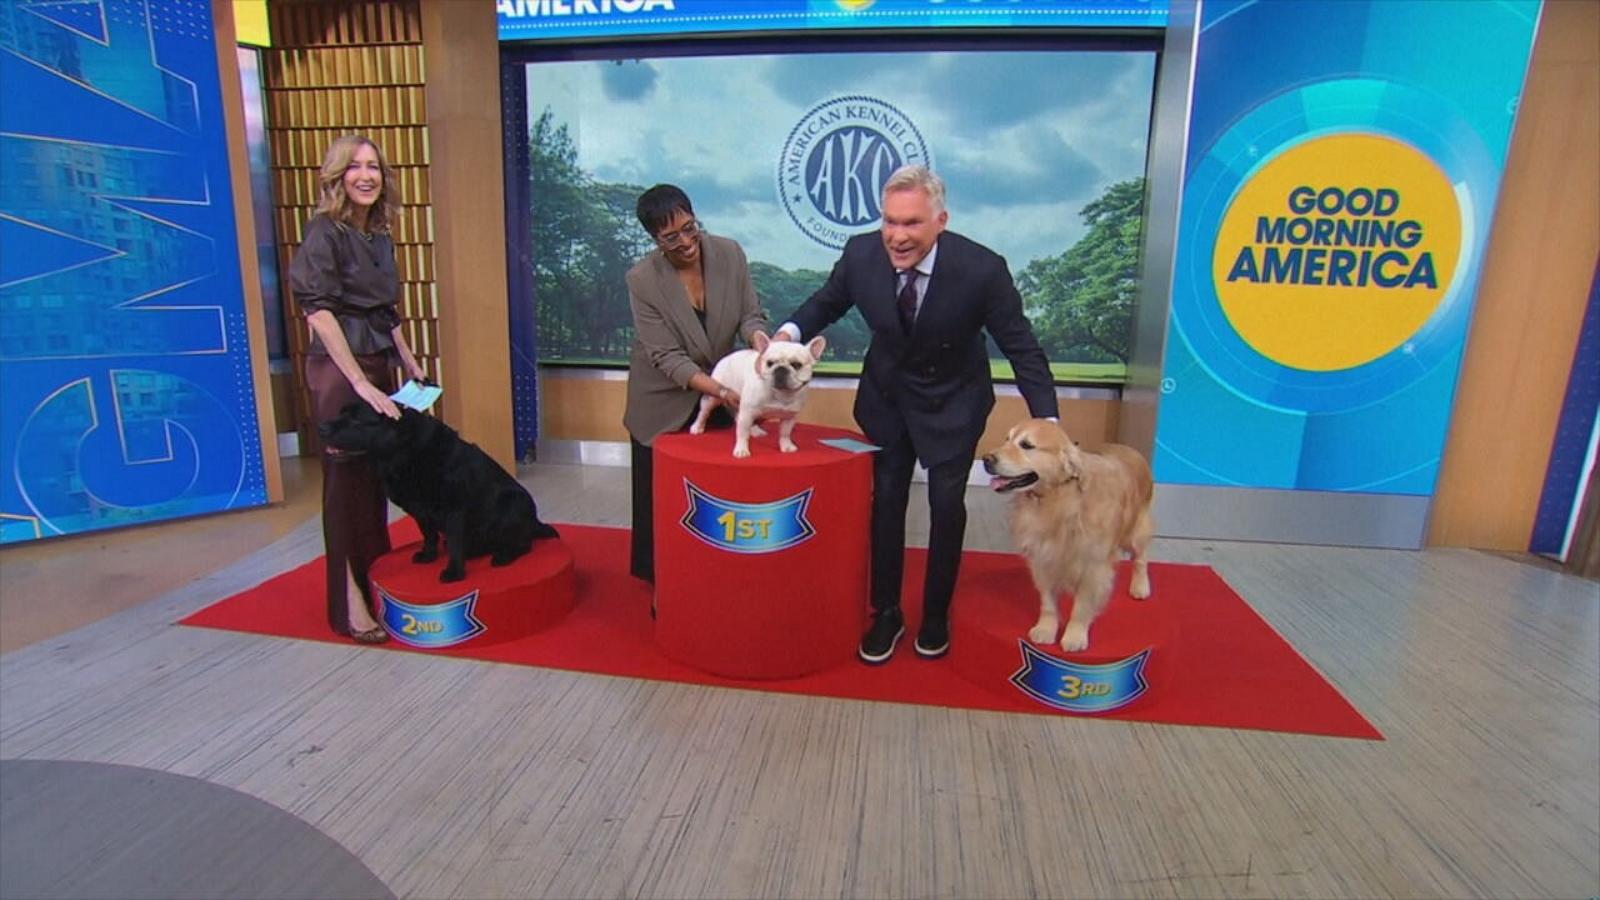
[1236, 672]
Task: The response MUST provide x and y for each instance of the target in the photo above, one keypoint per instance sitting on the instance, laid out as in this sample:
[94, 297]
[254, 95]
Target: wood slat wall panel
[339, 68]
[295, 146]
[332, 23]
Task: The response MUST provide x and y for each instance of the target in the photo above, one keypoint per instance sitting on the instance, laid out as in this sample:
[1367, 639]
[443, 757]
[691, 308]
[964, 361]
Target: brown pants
[355, 513]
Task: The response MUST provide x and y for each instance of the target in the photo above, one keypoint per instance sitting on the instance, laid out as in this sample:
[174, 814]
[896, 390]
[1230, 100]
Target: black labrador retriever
[447, 484]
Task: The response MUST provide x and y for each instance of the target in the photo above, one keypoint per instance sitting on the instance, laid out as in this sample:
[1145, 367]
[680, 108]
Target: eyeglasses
[687, 233]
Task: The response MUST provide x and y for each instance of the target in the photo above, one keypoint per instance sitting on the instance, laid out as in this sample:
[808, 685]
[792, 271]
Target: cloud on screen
[628, 80]
[1024, 139]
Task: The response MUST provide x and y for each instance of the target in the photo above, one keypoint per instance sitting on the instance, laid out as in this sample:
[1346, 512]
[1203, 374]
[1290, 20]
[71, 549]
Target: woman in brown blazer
[692, 300]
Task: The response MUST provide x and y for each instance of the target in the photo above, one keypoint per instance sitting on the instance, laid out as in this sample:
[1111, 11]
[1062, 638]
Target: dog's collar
[1034, 495]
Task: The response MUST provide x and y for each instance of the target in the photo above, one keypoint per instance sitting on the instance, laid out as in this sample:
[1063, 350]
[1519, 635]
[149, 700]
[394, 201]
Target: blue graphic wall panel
[1302, 378]
[1563, 480]
[123, 351]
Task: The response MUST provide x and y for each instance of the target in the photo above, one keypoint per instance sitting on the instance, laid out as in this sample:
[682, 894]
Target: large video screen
[124, 343]
[1042, 151]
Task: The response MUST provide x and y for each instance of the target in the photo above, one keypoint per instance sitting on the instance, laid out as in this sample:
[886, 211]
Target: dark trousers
[642, 545]
[947, 518]
[355, 513]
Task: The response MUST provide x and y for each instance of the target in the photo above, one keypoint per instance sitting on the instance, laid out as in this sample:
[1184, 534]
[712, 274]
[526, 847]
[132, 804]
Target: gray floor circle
[92, 830]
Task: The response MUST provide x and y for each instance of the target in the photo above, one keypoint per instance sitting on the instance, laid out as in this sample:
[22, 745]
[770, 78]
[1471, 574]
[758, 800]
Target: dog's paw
[698, 427]
[787, 446]
[741, 452]
[757, 431]
[1140, 588]
[449, 574]
[1076, 638]
[1043, 633]
[424, 556]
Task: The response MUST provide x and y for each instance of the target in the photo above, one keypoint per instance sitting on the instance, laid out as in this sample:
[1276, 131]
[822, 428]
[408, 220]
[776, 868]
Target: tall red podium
[761, 562]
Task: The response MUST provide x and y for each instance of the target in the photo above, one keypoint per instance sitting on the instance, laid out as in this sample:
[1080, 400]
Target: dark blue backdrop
[123, 351]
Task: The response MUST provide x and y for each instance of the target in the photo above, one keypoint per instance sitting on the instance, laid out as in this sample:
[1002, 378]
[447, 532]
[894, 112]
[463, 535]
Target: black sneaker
[877, 645]
[933, 639]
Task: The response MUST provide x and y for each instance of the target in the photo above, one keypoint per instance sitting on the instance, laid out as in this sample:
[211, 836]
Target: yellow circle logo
[1337, 251]
[855, 5]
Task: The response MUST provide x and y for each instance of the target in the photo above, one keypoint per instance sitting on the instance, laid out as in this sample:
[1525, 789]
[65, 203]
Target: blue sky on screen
[1023, 139]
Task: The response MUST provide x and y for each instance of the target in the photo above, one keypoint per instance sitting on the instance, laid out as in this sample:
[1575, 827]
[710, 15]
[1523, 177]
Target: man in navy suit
[928, 295]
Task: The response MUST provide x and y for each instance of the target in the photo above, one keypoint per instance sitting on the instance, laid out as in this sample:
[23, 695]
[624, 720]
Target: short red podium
[491, 605]
[761, 562]
[1132, 645]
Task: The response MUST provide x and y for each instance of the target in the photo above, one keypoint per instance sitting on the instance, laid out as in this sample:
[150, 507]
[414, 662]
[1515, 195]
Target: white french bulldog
[771, 381]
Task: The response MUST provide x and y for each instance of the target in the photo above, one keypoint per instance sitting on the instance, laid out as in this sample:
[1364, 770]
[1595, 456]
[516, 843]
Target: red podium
[761, 563]
[491, 605]
[1132, 647]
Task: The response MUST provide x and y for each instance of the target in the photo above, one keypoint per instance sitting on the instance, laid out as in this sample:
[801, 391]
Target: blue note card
[850, 445]
[417, 396]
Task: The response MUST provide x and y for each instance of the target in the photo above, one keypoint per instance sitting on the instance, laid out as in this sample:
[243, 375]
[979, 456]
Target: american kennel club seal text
[835, 161]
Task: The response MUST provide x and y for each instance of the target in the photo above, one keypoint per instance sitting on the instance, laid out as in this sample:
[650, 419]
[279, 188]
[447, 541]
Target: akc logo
[834, 164]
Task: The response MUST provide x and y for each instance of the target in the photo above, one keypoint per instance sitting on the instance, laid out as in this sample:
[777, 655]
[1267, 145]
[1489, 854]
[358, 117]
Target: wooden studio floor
[461, 779]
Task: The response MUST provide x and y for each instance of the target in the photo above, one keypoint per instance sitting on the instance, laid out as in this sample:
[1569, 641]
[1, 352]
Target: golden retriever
[1072, 514]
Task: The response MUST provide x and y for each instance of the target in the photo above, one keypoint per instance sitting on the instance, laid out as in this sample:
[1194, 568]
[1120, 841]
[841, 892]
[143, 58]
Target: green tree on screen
[1081, 302]
[616, 242]
[782, 291]
[583, 240]
[555, 187]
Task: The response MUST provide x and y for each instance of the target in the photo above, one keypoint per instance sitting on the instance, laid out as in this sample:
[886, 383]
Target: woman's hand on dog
[377, 399]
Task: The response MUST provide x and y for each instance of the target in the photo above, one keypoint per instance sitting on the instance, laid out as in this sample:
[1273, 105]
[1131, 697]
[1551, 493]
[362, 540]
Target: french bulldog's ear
[817, 345]
[759, 341]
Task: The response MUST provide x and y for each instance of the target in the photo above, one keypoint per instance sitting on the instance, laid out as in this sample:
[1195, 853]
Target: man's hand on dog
[377, 399]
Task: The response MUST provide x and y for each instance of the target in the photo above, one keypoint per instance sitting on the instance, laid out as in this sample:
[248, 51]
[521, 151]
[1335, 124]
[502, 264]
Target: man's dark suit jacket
[935, 383]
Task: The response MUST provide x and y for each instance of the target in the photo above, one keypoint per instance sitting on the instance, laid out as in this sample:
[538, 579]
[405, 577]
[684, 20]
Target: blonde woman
[347, 284]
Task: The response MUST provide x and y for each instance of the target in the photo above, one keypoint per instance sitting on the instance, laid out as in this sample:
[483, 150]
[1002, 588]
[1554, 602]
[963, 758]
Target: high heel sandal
[377, 634]
[374, 635]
